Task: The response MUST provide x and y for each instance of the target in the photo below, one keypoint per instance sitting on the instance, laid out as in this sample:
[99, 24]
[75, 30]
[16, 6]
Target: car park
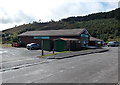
[113, 44]
[33, 46]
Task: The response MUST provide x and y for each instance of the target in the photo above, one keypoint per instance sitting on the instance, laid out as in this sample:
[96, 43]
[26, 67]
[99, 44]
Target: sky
[17, 12]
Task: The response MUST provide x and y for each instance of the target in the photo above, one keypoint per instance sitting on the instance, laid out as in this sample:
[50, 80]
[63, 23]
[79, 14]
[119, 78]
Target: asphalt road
[92, 68]
[14, 57]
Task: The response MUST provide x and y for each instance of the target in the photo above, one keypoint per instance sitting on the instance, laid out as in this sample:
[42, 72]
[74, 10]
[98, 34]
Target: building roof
[95, 39]
[68, 32]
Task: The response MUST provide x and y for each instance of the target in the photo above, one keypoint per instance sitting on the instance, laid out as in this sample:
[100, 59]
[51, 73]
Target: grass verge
[5, 45]
[53, 54]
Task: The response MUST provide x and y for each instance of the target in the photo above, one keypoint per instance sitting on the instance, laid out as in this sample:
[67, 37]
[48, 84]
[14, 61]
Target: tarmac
[77, 53]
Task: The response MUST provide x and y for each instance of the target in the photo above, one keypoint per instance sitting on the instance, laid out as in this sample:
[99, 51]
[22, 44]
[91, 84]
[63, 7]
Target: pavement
[77, 53]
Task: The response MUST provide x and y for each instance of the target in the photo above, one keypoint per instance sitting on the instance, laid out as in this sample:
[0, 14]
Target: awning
[95, 39]
[67, 39]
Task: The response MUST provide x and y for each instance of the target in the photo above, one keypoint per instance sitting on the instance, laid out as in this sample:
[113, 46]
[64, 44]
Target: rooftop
[66, 32]
[95, 39]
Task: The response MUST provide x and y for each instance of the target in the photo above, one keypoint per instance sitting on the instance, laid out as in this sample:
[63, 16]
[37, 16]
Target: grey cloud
[79, 9]
[67, 9]
[19, 17]
[22, 17]
[73, 9]
[5, 20]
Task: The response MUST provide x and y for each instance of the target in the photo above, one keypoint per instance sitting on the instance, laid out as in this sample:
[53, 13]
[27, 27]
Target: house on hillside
[59, 40]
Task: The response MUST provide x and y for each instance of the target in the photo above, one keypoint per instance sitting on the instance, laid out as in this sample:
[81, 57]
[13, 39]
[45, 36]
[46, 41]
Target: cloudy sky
[18, 12]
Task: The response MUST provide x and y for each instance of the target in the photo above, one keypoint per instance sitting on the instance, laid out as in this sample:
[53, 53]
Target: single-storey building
[95, 41]
[59, 40]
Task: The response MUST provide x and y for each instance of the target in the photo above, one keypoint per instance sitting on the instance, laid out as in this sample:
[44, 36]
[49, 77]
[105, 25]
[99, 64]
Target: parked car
[113, 44]
[104, 43]
[16, 44]
[33, 46]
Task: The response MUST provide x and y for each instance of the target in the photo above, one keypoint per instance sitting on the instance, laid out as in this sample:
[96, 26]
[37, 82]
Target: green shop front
[46, 43]
[66, 44]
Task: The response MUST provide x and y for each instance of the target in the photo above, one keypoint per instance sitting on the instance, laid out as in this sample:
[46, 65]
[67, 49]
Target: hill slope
[101, 25]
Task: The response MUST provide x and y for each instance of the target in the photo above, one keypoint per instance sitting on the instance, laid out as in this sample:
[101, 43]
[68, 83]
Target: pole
[53, 51]
[42, 48]
[53, 46]
[69, 45]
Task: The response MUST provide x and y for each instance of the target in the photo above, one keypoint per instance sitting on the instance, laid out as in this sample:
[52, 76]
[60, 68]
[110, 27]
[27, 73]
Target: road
[91, 68]
[16, 57]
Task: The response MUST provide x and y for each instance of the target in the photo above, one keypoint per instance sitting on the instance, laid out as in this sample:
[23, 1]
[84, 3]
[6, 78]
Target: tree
[14, 37]
[117, 16]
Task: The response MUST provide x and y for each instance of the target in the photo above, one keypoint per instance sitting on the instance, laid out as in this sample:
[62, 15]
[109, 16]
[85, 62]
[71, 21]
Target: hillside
[101, 25]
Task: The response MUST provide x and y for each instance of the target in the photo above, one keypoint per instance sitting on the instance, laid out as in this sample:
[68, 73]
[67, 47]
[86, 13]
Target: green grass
[5, 45]
[53, 54]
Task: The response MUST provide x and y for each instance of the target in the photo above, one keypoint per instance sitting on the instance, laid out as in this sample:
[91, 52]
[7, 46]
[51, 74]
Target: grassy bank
[5, 45]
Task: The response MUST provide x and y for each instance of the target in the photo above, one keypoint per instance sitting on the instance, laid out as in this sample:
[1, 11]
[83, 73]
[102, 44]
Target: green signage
[84, 35]
[39, 37]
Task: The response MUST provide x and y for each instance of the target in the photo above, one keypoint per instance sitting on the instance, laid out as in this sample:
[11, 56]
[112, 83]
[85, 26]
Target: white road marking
[19, 60]
[72, 67]
[61, 71]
